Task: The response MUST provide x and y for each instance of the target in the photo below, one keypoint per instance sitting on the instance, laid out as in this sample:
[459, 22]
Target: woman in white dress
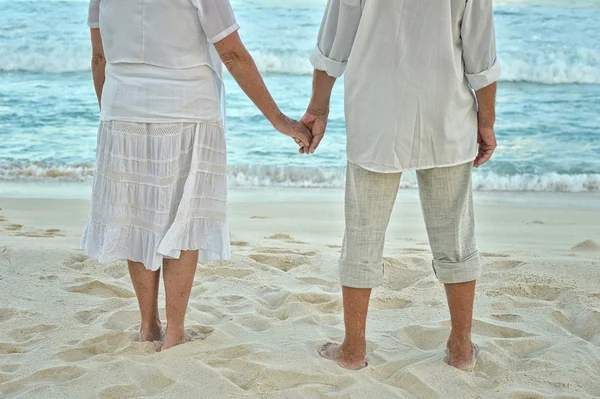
[160, 185]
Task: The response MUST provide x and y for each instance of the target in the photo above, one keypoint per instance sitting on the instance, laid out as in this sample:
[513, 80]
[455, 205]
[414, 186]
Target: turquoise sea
[548, 101]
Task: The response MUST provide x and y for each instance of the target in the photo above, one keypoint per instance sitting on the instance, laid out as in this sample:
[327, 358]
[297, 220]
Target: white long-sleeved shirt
[410, 69]
[162, 65]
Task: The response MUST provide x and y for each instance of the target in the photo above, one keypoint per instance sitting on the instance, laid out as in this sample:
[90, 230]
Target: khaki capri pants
[447, 202]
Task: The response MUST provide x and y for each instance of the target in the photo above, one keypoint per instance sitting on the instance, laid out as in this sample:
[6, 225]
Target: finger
[315, 142]
[305, 138]
[483, 157]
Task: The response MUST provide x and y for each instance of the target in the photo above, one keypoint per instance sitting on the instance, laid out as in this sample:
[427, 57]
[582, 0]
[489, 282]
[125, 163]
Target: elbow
[233, 58]
[98, 59]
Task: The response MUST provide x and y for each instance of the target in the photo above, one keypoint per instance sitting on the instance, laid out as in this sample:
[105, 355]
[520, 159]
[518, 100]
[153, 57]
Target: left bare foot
[345, 358]
[151, 333]
[462, 355]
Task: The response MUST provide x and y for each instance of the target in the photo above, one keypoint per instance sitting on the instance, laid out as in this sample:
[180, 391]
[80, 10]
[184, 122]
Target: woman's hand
[294, 129]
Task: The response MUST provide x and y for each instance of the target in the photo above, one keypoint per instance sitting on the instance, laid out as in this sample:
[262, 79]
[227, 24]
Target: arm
[335, 42]
[482, 70]
[98, 63]
[219, 24]
[241, 65]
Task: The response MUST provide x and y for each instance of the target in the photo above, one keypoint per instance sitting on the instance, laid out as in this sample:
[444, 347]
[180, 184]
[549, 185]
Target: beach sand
[69, 325]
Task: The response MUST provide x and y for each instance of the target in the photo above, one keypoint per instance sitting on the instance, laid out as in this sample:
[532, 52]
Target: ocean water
[548, 101]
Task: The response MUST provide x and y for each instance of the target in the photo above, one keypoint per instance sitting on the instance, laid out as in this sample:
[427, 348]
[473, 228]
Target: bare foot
[462, 356]
[347, 360]
[151, 334]
[172, 340]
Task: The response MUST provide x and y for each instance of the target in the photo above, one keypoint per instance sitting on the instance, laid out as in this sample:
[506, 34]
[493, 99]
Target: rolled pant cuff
[360, 275]
[458, 272]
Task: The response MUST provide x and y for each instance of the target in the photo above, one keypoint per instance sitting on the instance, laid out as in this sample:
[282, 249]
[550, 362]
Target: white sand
[68, 324]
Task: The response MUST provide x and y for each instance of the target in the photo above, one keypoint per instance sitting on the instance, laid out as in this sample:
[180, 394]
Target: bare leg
[178, 276]
[461, 352]
[145, 283]
[352, 353]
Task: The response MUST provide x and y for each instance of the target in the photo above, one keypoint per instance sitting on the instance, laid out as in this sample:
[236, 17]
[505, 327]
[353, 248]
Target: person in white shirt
[419, 95]
[159, 194]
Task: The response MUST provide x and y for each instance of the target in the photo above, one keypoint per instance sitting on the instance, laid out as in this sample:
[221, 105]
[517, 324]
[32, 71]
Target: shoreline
[82, 191]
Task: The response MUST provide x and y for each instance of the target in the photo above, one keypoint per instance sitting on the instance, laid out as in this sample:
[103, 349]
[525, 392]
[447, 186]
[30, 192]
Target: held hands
[316, 121]
[294, 129]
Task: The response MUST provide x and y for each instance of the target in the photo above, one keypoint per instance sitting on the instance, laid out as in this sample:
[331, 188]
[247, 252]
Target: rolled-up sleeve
[336, 37]
[217, 19]
[479, 44]
[94, 14]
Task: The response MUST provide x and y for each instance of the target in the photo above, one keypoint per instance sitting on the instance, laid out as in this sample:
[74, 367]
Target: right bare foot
[172, 340]
[342, 357]
[151, 333]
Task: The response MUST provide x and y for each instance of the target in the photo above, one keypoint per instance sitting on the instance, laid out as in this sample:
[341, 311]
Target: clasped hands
[308, 132]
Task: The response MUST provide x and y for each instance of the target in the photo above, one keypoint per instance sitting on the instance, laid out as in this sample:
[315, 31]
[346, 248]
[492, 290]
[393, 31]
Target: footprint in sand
[124, 320]
[88, 316]
[29, 333]
[146, 381]
[49, 376]
[112, 343]
[390, 303]
[495, 331]
[423, 337]
[240, 243]
[508, 317]
[259, 217]
[399, 276]
[284, 261]
[535, 291]
[199, 333]
[100, 289]
[524, 348]
[582, 323]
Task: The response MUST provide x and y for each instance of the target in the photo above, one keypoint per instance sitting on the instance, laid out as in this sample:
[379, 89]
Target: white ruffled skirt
[158, 189]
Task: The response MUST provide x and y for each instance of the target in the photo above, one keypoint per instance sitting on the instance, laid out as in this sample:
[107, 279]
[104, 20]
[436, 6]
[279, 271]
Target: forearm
[486, 100]
[243, 69]
[321, 95]
[98, 74]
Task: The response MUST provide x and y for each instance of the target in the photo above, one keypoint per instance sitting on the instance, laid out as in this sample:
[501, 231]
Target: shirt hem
[370, 168]
[217, 122]
[224, 34]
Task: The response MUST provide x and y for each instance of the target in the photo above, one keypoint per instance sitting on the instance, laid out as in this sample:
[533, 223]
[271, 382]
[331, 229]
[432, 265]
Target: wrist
[486, 121]
[276, 119]
[320, 109]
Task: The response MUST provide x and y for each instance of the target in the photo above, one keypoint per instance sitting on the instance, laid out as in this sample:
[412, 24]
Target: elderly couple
[420, 95]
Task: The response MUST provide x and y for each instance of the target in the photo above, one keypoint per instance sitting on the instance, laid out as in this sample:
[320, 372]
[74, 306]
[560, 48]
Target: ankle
[354, 348]
[150, 325]
[175, 331]
[460, 337]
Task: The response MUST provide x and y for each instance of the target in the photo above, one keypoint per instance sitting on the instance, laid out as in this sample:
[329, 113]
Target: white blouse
[162, 65]
[411, 68]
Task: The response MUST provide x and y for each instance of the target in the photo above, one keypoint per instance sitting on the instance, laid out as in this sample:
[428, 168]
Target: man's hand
[486, 139]
[316, 121]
